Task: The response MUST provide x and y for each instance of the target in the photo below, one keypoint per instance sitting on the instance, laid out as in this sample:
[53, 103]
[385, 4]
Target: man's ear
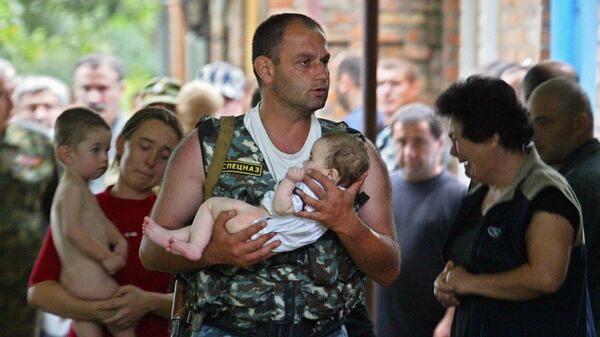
[119, 146]
[65, 154]
[333, 175]
[495, 140]
[264, 68]
[583, 123]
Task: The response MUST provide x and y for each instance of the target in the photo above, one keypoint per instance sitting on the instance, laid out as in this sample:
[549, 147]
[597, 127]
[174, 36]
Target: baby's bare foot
[156, 232]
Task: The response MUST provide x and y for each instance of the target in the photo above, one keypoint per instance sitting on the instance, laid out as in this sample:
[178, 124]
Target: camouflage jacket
[317, 282]
[28, 178]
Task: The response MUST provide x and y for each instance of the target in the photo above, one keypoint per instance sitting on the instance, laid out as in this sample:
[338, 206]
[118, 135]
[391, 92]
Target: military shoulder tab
[206, 127]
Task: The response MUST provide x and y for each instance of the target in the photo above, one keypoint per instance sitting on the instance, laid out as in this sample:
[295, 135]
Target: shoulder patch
[241, 167]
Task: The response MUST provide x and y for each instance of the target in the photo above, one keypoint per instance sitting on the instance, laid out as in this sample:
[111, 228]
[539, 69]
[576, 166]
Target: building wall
[426, 32]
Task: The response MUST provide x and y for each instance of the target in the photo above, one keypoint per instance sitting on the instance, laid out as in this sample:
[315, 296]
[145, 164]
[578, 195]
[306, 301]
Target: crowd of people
[271, 219]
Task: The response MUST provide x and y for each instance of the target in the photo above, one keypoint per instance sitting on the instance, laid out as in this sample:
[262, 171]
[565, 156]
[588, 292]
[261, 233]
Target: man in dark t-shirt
[424, 199]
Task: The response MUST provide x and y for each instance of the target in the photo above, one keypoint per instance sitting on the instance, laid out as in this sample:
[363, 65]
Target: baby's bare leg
[199, 233]
[162, 236]
[245, 213]
[202, 226]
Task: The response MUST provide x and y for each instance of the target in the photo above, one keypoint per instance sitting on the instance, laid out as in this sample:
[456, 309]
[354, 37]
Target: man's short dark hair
[96, 60]
[269, 35]
[486, 106]
[419, 112]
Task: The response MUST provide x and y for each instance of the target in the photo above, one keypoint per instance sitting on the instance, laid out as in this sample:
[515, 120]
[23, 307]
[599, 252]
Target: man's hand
[238, 248]
[334, 206]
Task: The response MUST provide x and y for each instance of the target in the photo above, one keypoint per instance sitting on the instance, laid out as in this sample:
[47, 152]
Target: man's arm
[180, 197]
[370, 236]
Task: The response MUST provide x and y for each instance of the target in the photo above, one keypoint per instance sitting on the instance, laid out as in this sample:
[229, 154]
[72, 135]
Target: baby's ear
[64, 153]
[333, 175]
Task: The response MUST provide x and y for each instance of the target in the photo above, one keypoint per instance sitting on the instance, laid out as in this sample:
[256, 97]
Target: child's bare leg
[162, 236]
[87, 329]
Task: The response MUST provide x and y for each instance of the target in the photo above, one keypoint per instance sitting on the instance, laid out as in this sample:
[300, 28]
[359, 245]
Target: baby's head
[80, 133]
[341, 156]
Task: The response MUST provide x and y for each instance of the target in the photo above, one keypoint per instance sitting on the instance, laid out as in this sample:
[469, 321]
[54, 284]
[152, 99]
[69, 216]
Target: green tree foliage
[49, 36]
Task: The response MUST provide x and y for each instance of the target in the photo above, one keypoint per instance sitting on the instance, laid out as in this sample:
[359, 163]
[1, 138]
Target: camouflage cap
[160, 90]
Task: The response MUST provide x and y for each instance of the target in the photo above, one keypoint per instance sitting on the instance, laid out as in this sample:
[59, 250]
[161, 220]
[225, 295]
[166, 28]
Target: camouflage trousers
[210, 331]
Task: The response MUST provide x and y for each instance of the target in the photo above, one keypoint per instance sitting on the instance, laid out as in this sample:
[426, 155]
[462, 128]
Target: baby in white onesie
[341, 157]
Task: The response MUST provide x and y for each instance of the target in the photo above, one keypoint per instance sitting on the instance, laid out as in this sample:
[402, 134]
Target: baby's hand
[295, 174]
[113, 263]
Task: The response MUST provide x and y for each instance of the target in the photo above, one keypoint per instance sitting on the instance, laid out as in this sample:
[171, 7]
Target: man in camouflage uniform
[28, 177]
[239, 286]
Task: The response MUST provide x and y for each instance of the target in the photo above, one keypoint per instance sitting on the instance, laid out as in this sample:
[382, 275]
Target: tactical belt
[304, 328]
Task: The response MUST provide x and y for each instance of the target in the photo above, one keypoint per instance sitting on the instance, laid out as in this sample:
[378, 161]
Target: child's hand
[121, 249]
[113, 263]
[295, 174]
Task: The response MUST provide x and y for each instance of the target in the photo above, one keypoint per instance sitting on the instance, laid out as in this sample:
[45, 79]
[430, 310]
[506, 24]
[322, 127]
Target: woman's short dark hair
[486, 106]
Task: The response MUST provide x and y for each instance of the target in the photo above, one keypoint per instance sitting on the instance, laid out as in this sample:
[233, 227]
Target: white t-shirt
[278, 162]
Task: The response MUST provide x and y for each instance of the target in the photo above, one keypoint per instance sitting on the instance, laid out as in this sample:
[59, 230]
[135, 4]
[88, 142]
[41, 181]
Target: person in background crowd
[349, 93]
[425, 198]
[229, 81]
[160, 92]
[397, 85]
[195, 100]
[40, 99]
[98, 85]
[545, 70]
[563, 126]
[324, 279]
[28, 178]
[143, 148]
[515, 254]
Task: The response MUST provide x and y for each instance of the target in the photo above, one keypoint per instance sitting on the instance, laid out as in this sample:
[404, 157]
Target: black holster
[180, 317]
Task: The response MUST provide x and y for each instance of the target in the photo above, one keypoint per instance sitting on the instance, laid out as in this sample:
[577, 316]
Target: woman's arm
[548, 241]
[131, 303]
[52, 297]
